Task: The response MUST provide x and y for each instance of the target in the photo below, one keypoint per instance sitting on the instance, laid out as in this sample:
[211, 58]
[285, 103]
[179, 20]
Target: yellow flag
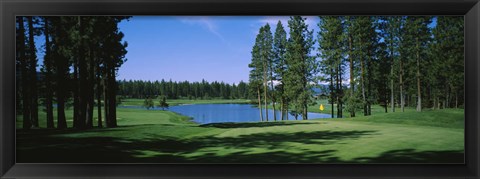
[321, 107]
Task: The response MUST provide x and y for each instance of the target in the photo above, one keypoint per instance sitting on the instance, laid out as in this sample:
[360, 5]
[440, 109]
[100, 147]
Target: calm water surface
[214, 113]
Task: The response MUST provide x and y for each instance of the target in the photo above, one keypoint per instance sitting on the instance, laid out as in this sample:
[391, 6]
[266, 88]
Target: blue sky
[214, 48]
[192, 48]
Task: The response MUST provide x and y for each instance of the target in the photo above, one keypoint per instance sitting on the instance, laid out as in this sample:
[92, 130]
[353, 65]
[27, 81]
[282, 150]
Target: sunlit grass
[166, 137]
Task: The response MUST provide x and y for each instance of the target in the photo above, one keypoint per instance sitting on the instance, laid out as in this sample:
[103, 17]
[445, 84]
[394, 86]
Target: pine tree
[416, 39]
[33, 72]
[279, 51]
[256, 71]
[390, 27]
[22, 61]
[330, 39]
[47, 66]
[301, 66]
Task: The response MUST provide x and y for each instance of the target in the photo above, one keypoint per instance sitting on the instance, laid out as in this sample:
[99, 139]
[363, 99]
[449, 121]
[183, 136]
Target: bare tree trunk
[281, 109]
[273, 98]
[286, 110]
[419, 94]
[260, 104]
[352, 83]
[362, 81]
[265, 88]
[105, 99]
[99, 104]
[33, 74]
[91, 87]
[24, 72]
[339, 113]
[112, 95]
[332, 93]
[402, 96]
[392, 93]
[48, 76]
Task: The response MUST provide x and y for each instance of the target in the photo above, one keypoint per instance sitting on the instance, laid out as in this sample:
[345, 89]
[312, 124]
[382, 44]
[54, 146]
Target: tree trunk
[402, 96]
[260, 104]
[76, 95]
[91, 87]
[337, 91]
[286, 110]
[305, 112]
[24, 72]
[281, 109]
[332, 93]
[105, 99]
[362, 81]
[369, 84]
[419, 94]
[392, 92]
[273, 98]
[33, 74]
[352, 83]
[112, 96]
[83, 79]
[99, 102]
[265, 91]
[48, 76]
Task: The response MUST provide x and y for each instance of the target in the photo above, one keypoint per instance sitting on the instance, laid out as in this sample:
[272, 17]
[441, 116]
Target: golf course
[157, 136]
[240, 89]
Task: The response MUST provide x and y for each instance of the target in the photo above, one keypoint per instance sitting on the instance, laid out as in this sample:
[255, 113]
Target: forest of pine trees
[82, 57]
[391, 61]
[178, 90]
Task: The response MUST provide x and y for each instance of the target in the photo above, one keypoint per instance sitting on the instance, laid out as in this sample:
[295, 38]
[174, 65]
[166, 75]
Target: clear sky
[214, 48]
[192, 48]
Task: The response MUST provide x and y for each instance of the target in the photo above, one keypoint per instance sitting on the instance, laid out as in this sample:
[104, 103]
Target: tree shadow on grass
[413, 156]
[33, 148]
[161, 149]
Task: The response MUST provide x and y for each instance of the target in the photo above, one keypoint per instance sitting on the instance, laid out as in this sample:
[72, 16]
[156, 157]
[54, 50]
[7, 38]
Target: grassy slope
[162, 136]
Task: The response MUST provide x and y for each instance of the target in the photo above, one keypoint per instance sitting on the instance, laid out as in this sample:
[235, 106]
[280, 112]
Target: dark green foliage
[302, 66]
[330, 39]
[182, 90]
[82, 54]
[280, 67]
[148, 103]
[163, 102]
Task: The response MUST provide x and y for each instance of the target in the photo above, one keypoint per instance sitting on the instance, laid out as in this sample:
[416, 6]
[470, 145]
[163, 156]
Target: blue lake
[216, 113]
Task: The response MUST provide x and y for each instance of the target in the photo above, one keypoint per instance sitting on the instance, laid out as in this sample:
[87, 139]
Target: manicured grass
[165, 137]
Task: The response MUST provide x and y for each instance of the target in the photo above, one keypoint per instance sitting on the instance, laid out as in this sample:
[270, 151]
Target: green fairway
[154, 136]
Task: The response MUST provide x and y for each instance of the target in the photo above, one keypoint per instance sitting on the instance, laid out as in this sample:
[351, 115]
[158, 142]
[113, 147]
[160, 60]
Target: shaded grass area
[148, 136]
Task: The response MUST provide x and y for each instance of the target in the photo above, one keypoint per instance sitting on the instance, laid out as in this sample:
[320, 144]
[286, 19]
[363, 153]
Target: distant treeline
[185, 89]
[82, 57]
[394, 61]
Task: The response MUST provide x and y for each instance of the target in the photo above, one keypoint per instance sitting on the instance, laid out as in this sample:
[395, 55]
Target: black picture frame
[10, 8]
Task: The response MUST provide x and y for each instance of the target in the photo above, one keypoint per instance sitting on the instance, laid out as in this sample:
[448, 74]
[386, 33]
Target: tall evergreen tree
[280, 68]
[416, 39]
[47, 66]
[302, 66]
[256, 71]
[33, 72]
[330, 39]
[23, 63]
